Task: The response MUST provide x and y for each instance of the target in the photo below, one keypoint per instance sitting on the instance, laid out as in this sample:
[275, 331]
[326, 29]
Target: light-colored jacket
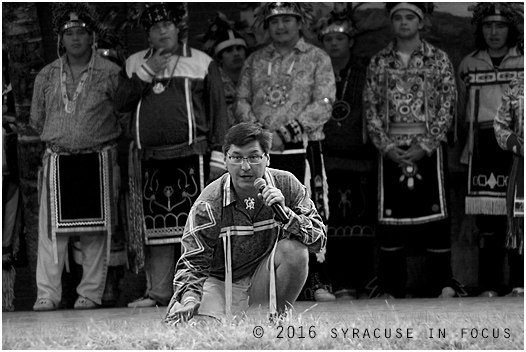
[481, 87]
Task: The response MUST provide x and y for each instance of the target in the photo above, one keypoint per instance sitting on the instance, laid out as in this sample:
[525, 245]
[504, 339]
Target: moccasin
[85, 303]
[43, 305]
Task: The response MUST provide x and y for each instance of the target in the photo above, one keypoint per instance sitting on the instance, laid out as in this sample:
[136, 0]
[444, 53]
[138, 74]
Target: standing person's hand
[396, 155]
[413, 154]
[158, 62]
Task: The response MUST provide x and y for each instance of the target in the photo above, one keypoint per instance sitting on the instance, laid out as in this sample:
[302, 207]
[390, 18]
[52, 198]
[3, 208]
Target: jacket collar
[229, 194]
[483, 54]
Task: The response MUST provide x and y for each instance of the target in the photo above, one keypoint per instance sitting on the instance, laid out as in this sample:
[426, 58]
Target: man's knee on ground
[292, 253]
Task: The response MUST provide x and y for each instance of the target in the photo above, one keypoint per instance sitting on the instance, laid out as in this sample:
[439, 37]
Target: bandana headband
[407, 6]
[496, 18]
[230, 42]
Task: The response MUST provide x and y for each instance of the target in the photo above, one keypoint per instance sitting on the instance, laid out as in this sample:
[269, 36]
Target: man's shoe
[84, 303]
[516, 292]
[489, 294]
[455, 289]
[44, 305]
[322, 292]
[447, 292]
[345, 294]
[143, 302]
[323, 295]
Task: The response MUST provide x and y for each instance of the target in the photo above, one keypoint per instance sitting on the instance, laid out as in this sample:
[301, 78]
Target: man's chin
[497, 47]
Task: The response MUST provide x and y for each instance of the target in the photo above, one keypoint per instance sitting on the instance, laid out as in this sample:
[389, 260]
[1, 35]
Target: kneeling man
[237, 251]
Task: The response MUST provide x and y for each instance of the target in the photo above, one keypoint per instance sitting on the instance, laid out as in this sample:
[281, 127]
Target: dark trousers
[492, 234]
[435, 237]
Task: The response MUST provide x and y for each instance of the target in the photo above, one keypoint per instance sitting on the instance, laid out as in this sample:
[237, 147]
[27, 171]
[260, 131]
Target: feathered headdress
[339, 20]
[146, 14]
[511, 12]
[302, 10]
[74, 14]
[110, 44]
[344, 19]
[223, 33]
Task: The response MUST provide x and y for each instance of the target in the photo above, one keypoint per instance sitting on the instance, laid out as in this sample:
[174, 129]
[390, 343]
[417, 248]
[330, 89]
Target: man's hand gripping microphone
[260, 184]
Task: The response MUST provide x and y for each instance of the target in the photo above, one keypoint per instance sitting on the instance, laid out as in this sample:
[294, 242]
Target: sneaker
[489, 294]
[455, 289]
[447, 292]
[143, 302]
[516, 292]
[43, 305]
[84, 303]
[323, 295]
[345, 294]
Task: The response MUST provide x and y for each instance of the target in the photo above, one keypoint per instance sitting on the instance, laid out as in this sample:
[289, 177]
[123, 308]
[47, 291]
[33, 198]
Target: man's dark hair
[245, 132]
[511, 41]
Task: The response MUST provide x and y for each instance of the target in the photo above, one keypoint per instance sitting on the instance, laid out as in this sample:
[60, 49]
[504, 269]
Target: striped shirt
[217, 213]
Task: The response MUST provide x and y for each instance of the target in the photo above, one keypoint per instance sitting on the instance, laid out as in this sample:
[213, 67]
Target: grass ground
[359, 329]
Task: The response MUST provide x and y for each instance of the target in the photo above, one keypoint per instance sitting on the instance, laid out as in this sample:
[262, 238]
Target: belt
[407, 128]
[95, 149]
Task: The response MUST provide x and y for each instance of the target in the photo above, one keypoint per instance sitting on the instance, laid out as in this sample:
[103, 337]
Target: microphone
[260, 184]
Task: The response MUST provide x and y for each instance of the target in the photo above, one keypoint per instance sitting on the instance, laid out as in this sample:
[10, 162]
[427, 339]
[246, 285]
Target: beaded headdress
[267, 10]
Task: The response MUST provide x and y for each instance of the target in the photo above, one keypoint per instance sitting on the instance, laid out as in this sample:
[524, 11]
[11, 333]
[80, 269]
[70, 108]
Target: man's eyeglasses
[252, 160]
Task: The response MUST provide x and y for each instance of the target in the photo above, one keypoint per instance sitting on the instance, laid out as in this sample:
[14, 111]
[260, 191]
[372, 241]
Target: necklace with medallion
[278, 94]
[71, 105]
[341, 109]
[158, 87]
